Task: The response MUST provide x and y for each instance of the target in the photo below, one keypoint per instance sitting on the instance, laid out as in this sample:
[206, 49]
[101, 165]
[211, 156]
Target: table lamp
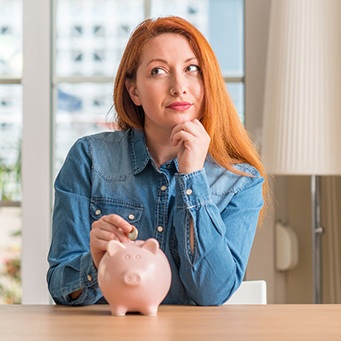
[302, 105]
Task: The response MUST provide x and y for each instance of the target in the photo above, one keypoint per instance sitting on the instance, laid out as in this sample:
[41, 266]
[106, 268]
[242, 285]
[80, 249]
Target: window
[10, 149]
[70, 70]
[91, 36]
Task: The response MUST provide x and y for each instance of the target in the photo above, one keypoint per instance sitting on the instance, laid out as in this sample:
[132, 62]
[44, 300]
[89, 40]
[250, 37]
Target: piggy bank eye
[138, 257]
[126, 257]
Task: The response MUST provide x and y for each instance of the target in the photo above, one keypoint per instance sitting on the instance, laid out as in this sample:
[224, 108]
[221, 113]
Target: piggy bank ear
[114, 246]
[151, 245]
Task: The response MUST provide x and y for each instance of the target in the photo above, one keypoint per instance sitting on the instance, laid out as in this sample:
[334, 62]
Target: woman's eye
[192, 68]
[157, 71]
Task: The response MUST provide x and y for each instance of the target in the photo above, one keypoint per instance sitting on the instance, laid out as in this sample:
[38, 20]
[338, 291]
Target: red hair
[230, 143]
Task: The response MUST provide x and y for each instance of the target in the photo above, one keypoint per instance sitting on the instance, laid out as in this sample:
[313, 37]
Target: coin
[132, 235]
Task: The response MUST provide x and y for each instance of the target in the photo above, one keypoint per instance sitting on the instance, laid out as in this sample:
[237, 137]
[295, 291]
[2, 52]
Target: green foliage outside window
[10, 262]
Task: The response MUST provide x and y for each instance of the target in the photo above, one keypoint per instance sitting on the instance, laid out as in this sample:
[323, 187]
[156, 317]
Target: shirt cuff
[192, 189]
[89, 285]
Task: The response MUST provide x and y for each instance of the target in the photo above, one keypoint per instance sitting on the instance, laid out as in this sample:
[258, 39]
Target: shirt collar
[139, 152]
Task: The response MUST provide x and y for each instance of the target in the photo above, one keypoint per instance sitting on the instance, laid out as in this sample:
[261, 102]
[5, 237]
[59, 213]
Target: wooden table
[173, 323]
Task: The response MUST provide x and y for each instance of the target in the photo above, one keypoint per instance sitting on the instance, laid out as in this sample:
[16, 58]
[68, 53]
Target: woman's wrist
[76, 294]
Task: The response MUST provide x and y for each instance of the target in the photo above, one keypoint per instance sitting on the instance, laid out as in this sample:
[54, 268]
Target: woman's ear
[132, 90]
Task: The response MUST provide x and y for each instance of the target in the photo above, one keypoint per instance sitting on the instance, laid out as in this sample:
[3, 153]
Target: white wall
[291, 197]
[262, 259]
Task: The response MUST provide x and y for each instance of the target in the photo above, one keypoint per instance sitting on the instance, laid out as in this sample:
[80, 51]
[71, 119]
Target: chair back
[249, 292]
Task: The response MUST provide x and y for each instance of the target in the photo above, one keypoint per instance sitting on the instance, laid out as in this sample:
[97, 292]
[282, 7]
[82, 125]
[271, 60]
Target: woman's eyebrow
[160, 60]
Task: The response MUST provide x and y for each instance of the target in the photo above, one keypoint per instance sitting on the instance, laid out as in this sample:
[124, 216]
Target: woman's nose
[177, 91]
[178, 87]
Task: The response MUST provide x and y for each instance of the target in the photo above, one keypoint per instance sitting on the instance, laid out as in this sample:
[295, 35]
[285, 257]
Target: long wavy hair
[230, 143]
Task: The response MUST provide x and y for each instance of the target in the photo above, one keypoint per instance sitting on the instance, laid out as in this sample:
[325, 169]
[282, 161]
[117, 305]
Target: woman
[181, 169]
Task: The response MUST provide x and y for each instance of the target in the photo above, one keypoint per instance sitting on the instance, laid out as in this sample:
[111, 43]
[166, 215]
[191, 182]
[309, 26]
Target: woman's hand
[107, 228]
[193, 142]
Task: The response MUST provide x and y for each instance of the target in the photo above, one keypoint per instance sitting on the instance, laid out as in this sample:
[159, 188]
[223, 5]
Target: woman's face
[168, 83]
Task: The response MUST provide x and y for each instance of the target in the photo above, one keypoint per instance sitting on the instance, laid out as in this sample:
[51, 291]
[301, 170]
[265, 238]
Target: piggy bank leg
[118, 310]
[150, 310]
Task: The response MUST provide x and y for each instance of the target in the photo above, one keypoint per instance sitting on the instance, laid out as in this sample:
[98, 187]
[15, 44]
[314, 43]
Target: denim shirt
[113, 172]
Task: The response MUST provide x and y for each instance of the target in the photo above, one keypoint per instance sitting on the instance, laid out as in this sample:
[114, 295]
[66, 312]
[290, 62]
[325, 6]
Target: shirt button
[98, 212]
[131, 217]
[163, 188]
[189, 191]
[89, 277]
[160, 228]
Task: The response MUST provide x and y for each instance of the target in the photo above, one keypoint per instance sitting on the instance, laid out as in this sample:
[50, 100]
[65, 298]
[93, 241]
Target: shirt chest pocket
[132, 213]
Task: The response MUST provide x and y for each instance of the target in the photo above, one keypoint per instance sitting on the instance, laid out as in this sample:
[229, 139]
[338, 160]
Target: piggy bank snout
[132, 278]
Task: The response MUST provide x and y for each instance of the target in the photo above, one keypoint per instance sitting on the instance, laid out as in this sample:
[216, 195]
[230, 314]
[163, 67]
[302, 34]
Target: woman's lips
[179, 106]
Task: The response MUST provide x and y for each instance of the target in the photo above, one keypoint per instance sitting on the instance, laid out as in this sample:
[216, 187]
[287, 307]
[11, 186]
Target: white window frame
[36, 150]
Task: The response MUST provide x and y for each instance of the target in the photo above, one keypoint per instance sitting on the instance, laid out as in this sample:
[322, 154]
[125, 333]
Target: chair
[249, 292]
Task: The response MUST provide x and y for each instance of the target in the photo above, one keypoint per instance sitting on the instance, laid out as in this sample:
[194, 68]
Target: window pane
[82, 109]
[226, 35]
[10, 150]
[195, 11]
[10, 38]
[10, 254]
[10, 193]
[91, 35]
[10, 142]
[222, 23]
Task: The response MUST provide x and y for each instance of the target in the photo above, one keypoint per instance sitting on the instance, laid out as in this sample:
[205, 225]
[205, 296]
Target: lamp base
[317, 231]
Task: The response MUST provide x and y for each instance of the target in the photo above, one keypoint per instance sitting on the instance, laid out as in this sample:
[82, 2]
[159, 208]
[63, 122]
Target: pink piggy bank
[134, 276]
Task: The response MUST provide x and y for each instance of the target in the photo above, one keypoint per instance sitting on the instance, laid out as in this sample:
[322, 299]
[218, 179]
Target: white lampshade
[302, 110]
